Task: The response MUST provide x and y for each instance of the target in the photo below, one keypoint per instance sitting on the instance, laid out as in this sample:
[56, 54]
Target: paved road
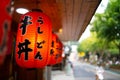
[83, 71]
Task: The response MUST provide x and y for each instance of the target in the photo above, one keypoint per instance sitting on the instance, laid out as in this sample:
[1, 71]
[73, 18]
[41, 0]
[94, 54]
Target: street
[84, 71]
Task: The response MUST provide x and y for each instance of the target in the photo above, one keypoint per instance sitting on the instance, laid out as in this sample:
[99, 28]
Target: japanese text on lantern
[23, 46]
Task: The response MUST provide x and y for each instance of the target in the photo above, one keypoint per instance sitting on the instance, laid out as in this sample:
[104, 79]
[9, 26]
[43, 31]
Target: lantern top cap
[37, 10]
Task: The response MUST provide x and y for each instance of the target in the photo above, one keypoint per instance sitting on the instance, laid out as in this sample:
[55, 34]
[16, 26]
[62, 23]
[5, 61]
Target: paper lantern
[60, 52]
[55, 52]
[33, 40]
[5, 22]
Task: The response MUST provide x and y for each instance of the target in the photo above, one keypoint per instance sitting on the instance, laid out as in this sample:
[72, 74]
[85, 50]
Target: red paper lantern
[33, 40]
[55, 51]
[5, 22]
[60, 52]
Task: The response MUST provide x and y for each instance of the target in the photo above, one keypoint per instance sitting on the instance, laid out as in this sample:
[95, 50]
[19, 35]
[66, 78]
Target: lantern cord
[37, 7]
[37, 4]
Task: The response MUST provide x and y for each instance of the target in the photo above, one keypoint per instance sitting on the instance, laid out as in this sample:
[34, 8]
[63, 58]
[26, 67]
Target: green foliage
[88, 44]
[107, 25]
[105, 31]
[113, 49]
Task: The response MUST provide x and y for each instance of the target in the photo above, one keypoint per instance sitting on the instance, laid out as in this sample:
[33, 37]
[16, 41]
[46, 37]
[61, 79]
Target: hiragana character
[40, 43]
[38, 56]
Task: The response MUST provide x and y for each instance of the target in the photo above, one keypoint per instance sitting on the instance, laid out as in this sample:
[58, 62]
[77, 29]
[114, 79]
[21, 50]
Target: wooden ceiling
[72, 16]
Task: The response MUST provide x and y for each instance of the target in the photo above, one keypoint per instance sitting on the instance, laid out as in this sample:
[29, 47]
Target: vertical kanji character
[23, 48]
[25, 22]
[52, 45]
[51, 52]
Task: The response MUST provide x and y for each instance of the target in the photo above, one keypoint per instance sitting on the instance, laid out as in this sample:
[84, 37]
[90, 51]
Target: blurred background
[89, 31]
